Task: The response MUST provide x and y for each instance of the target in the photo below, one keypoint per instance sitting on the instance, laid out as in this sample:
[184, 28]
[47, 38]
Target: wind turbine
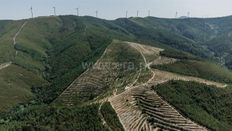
[31, 9]
[176, 15]
[188, 14]
[137, 13]
[77, 11]
[126, 14]
[149, 13]
[54, 9]
[96, 13]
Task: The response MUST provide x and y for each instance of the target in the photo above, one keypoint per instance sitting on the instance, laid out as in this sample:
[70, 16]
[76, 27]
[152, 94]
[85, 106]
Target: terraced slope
[142, 109]
[139, 107]
[102, 77]
[89, 85]
[130, 116]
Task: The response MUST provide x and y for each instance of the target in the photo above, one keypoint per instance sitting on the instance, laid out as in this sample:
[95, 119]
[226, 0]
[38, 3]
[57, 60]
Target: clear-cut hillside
[138, 107]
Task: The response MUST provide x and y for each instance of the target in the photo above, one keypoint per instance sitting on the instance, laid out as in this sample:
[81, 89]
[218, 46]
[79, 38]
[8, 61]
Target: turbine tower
[126, 14]
[31, 9]
[188, 14]
[96, 13]
[54, 9]
[149, 13]
[77, 11]
[176, 15]
[137, 13]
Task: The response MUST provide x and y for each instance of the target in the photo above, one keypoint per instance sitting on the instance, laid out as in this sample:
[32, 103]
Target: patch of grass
[15, 86]
[111, 117]
[207, 105]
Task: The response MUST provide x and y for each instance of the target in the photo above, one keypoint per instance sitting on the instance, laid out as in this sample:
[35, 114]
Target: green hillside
[207, 105]
[44, 117]
[111, 117]
[53, 48]
[15, 86]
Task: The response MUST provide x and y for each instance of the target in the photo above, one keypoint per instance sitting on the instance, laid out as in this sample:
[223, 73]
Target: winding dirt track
[5, 65]
[16, 35]
[19, 31]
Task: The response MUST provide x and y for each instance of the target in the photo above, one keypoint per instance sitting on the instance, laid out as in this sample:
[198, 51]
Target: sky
[112, 9]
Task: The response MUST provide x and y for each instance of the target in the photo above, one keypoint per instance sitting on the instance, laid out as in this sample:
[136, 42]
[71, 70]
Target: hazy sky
[111, 9]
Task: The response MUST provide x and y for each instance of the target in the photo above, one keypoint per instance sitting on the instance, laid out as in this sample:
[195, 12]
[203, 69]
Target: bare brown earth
[141, 108]
[138, 107]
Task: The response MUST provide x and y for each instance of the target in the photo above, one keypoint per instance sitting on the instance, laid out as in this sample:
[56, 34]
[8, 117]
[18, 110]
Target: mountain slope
[205, 104]
[118, 64]
[55, 61]
[142, 57]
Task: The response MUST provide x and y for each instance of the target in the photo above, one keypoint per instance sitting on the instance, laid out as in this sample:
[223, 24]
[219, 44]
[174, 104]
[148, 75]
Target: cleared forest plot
[138, 107]
[142, 109]
[88, 85]
[102, 76]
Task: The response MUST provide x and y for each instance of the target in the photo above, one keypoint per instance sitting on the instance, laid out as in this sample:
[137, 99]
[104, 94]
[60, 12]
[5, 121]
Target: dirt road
[16, 35]
[5, 65]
